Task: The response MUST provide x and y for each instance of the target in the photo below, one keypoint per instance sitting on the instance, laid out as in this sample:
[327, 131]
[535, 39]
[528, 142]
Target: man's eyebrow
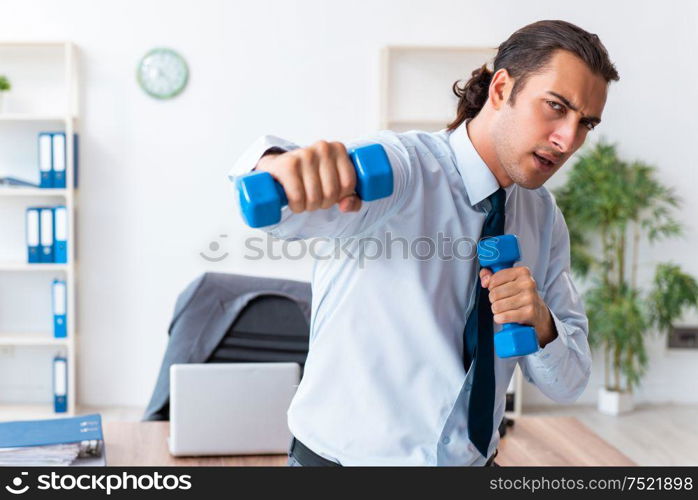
[566, 102]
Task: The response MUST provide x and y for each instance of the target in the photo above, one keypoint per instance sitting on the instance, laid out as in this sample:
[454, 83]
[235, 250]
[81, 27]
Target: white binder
[59, 160]
[46, 241]
[33, 236]
[46, 159]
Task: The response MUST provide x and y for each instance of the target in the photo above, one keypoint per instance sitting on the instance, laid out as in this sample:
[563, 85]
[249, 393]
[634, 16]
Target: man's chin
[529, 180]
[531, 183]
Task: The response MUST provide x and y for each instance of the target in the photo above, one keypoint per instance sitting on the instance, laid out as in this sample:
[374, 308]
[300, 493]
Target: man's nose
[563, 137]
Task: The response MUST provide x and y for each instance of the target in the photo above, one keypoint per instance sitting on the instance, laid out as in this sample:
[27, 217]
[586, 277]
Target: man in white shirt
[389, 379]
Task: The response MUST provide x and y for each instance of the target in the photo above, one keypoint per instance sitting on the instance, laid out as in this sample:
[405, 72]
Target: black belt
[308, 458]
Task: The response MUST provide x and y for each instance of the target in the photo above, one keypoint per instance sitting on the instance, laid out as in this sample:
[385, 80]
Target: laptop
[231, 408]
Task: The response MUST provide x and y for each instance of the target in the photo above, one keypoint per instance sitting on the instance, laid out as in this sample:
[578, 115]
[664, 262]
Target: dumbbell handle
[261, 197]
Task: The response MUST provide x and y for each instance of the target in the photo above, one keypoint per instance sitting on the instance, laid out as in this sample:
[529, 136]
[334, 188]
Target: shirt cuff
[553, 351]
[248, 161]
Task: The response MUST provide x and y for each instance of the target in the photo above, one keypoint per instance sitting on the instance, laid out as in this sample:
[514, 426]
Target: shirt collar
[477, 177]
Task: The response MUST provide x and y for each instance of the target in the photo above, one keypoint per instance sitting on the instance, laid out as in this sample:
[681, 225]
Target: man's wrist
[269, 154]
[546, 331]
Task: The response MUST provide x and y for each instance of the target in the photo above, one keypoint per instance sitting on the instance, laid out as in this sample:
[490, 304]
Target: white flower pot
[3, 102]
[614, 402]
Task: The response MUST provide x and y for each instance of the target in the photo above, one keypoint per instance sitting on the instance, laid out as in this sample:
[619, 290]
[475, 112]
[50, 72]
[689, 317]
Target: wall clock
[162, 73]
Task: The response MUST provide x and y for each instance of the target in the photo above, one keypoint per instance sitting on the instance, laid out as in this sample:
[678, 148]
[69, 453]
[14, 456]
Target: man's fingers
[510, 303]
[329, 178]
[312, 182]
[503, 291]
[345, 171]
[316, 177]
[485, 276]
[523, 315]
[289, 176]
[351, 203]
[503, 276]
[521, 274]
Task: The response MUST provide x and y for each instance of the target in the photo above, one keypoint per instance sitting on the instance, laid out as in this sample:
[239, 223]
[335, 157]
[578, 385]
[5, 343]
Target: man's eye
[556, 105]
[590, 126]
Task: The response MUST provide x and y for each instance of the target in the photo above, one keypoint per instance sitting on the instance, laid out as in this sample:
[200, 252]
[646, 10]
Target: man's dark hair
[527, 52]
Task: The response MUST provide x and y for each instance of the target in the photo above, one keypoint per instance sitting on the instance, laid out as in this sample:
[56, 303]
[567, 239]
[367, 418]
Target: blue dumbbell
[497, 253]
[261, 197]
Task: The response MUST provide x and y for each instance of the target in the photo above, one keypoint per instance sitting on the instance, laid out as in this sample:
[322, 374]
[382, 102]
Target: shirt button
[446, 440]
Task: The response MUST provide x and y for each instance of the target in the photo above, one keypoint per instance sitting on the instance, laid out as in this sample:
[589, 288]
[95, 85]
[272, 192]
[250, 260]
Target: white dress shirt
[384, 382]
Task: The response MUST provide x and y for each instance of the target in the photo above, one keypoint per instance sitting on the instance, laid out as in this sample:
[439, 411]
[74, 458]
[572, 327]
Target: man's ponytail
[471, 96]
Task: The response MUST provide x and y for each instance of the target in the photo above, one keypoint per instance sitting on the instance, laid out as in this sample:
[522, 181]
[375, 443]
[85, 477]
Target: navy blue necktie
[478, 342]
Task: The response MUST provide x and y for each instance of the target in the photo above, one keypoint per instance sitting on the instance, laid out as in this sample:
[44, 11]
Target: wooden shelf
[31, 191]
[31, 117]
[33, 43]
[416, 124]
[416, 84]
[23, 266]
[430, 121]
[31, 339]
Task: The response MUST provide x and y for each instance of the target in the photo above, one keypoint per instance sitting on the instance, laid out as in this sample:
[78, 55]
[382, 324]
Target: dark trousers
[301, 455]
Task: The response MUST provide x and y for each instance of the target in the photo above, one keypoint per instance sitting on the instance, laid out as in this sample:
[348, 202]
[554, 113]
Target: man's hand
[515, 299]
[318, 176]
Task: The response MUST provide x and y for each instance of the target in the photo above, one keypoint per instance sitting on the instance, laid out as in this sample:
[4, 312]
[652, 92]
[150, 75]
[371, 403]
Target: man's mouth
[543, 162]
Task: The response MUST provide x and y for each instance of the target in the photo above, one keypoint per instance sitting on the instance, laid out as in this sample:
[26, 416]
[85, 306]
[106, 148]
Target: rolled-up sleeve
[332, 222]
[562, 368]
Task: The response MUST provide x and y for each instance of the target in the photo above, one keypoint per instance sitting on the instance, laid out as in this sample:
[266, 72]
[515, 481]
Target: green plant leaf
[4, 84]
[673, 291]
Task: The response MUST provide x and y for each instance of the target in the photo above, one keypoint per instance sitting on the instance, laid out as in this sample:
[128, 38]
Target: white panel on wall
[421, 80]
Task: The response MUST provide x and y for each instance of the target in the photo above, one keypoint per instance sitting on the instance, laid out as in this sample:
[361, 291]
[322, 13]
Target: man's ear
[500, 88]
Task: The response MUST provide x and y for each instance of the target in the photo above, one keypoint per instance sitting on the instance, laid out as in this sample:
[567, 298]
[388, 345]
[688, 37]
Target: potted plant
[5, 87]
[611, 206]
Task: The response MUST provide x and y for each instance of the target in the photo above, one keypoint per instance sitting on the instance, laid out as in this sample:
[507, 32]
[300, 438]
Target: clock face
[162, 73]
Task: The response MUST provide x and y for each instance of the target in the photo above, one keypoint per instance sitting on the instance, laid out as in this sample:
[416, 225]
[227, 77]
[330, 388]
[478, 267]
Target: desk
[532, 441]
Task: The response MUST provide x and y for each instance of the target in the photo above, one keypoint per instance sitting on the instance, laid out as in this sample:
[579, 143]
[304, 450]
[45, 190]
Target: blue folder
[76, 156]
[46, 239]
[26, 439]
[59, 296]
[51, 431]
[60, 384]
[33, 232]
[46, 159]
[59, 159]
[60, 234]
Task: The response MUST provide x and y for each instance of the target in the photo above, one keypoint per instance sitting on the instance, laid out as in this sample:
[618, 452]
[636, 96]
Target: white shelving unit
[417, 80]
[45, 96]
[416, 94]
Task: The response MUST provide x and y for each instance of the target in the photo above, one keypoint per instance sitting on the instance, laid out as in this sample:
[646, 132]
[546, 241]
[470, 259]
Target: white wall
[153, 191]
